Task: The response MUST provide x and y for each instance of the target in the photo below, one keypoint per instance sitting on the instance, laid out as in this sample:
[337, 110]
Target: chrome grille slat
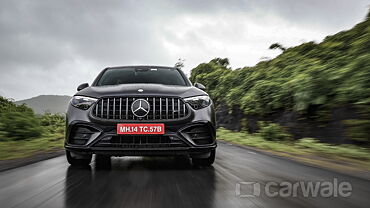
[147, 115]
[119, 108]
[173, 108]
[114, 108]
[96, 109]
[102, 107]
[108, 108]
[154, 108]
[178, 109]
[126, 108]
[160, 108]
[166, 108]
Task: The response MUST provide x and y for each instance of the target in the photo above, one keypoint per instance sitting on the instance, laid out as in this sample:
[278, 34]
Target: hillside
[319, 90]
[47, 103]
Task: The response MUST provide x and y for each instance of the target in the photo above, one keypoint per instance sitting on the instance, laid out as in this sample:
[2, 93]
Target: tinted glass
[166, 76]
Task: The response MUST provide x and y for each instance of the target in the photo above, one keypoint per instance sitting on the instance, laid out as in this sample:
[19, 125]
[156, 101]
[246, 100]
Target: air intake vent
[201, 134]
[160, 108]
[128, 141]
[80, 135]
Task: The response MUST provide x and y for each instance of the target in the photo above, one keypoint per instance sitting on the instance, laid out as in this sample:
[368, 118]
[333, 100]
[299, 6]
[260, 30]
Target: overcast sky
[49, 47]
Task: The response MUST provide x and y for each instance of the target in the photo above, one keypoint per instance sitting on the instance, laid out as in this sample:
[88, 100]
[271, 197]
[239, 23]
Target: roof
[144, 66]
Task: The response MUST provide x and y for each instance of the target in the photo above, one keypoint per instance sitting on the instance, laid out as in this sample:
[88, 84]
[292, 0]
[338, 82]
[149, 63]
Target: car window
[125, 75]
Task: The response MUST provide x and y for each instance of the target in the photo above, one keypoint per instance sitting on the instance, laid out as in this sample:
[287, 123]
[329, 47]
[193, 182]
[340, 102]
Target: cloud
[49, 47]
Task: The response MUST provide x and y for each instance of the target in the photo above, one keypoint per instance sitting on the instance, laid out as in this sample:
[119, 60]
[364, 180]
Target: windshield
[133, 75]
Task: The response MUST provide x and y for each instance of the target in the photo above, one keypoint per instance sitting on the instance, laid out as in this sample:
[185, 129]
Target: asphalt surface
[169, 182]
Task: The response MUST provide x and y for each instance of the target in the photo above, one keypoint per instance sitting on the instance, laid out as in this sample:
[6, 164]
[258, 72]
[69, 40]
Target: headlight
[198, 102]
[82, 102]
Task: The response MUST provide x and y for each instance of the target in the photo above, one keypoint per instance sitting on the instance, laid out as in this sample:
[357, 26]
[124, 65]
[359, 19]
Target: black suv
[140, 111]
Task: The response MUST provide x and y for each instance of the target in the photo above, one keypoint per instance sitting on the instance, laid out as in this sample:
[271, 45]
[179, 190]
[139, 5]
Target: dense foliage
[333, 73]
[18, 122]
[19, 125]
[273, 132]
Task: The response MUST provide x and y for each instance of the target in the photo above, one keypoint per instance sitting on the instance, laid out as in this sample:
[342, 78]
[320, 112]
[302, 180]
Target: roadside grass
[306, 149]
[48, 142]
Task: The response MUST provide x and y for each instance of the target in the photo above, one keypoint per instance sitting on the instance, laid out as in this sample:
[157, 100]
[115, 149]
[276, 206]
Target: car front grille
[161, 108]
[140, 141]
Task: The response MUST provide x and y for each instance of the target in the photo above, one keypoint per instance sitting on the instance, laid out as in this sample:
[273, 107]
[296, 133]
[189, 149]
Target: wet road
[167, 182]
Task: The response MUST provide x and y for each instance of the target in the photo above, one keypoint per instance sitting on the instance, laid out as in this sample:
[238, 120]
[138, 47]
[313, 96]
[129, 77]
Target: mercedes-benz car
[140, 111]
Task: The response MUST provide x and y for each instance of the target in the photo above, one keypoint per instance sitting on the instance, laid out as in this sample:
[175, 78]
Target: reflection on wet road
[168, 182]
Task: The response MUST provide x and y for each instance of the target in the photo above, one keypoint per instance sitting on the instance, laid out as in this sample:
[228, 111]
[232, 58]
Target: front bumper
[191, 151]
[179, 130]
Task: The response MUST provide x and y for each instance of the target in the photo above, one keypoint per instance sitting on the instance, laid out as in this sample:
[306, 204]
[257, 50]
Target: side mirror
[82, 86]
[199, 86]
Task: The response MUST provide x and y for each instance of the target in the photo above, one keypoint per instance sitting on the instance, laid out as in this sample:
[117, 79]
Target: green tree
[221, 61]
[180, 63]
[322, 76]
[19, 125]
[277, 46]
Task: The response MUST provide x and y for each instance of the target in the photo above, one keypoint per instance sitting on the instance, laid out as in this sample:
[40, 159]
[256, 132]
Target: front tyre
[78, 160]
[205, 162]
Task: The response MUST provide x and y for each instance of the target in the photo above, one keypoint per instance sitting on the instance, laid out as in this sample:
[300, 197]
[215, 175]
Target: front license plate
[140, 128]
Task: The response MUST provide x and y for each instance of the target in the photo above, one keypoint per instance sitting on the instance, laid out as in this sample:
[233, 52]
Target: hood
[148, 90]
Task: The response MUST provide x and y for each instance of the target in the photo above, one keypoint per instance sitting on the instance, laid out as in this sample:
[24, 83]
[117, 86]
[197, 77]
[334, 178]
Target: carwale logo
[294, 189]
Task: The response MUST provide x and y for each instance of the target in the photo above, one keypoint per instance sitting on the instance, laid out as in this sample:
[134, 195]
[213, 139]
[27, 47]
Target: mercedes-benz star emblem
[140, 108]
